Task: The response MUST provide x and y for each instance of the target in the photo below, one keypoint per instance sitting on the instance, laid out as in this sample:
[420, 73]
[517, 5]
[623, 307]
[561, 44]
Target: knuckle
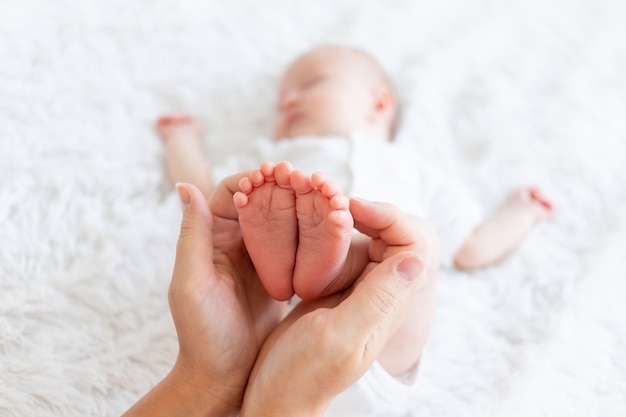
[384, 301]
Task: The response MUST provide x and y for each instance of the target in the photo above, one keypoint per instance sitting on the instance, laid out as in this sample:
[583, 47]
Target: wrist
[269, 409]
[177, 396]
[279, 404]
[523, 211]
[207, 395]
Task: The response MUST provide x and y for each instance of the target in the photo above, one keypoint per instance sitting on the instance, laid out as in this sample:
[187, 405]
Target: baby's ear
[384, 100]
[384, 103]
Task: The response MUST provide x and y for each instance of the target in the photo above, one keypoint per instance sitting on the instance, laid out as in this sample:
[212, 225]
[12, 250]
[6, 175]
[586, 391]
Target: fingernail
[184, 195]
[409, 268]
[362, 200]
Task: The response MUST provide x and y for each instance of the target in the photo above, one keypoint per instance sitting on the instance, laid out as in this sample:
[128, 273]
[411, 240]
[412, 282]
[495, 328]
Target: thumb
[377, 306]
[194, 250]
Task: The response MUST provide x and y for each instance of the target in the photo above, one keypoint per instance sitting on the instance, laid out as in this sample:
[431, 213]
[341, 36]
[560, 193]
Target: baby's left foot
[534, 199]
[324, 234]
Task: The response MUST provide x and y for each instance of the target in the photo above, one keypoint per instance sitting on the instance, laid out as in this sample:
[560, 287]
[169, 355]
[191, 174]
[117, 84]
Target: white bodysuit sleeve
[259, 151]
[451, 209]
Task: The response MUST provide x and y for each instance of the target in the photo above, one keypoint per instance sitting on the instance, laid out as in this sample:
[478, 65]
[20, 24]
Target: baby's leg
[324, 235]
[395, 234]
[401, 355]
[184, 156]
[267, 215]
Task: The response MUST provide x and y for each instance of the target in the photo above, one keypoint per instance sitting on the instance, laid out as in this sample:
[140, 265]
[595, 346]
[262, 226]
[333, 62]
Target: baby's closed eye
[312, 82]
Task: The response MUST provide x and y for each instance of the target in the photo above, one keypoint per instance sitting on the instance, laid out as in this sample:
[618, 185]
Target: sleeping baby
[337, 112]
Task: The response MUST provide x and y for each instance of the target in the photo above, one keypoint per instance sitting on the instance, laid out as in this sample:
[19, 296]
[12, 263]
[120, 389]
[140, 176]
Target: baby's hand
[172, 126]
[534, 199]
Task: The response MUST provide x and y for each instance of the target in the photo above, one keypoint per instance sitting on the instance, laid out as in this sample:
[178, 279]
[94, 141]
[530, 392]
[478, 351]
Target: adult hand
[221, 312]
[325, 345]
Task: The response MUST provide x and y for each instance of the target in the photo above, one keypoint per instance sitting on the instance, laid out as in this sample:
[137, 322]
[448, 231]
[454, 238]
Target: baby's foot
[324, 231]
[535, 200]
[267, 215]
[178, 126]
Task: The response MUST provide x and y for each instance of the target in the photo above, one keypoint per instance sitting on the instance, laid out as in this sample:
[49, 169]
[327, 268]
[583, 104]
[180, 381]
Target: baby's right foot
[178, 126]
[267, 216]
[324, 234]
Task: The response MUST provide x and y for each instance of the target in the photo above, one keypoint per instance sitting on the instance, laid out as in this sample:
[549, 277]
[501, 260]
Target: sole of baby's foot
[176, 126]
[267, 216]
[324, 232]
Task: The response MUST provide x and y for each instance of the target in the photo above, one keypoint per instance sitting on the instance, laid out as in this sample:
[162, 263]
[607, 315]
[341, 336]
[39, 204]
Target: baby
[337, 111]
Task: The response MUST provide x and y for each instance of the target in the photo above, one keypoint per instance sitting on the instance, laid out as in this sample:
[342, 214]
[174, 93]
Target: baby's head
[335, 90]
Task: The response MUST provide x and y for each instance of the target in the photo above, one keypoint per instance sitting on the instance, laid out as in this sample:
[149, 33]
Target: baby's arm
[495, 238]
[184, 154]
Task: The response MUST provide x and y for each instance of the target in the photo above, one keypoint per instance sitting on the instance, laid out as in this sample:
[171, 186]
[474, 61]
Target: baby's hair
[383, 78]
[379, 76]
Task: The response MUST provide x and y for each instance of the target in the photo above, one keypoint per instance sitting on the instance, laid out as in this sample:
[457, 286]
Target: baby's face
[324, 92]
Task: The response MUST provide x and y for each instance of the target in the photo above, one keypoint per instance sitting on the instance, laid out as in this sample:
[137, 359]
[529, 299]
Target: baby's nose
[288, 101]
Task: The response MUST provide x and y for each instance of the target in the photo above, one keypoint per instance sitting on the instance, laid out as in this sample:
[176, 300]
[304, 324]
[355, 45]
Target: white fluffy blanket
[501, 93]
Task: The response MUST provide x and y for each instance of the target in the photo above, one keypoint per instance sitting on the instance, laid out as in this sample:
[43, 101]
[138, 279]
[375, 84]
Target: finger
[221, 199]
[394, 228]
[382, 220]
[377, 306]
[537, 195]
[194, 250]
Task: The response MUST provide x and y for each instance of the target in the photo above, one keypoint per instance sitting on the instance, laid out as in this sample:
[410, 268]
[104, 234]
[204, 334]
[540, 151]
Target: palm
[229, 315]
[253, 313]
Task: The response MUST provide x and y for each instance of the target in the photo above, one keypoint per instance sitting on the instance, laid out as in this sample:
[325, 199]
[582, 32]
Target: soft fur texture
[500, 93]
